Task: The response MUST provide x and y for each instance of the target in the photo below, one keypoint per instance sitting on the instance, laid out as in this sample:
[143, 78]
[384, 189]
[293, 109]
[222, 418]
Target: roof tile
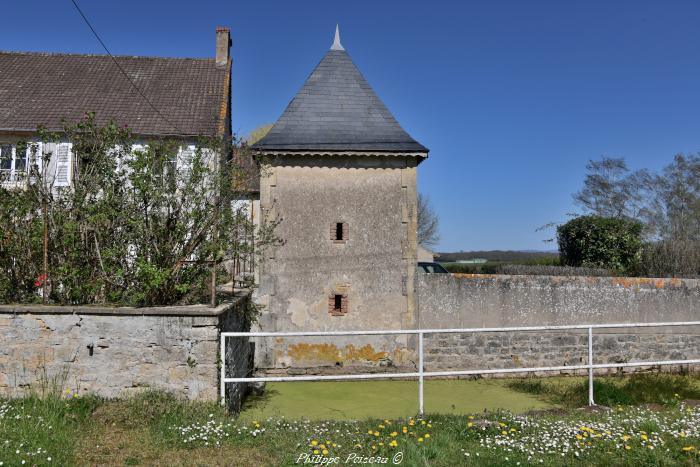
[337, 110]
[40, 89]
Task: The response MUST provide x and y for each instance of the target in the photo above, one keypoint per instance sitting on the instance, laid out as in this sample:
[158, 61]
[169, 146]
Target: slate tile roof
[42, 89]
[337, 110]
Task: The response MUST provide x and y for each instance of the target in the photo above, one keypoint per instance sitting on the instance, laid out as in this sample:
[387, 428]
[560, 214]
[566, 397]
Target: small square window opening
[337, 304]
[339, 232]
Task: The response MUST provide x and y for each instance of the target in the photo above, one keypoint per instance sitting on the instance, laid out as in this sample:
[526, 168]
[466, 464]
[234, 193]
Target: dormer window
[339, 232]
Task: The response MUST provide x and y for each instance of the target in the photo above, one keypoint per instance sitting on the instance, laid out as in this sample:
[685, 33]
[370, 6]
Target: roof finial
[336, 41]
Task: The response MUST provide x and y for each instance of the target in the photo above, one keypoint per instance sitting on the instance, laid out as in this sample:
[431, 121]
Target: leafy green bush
[139, 225]
[600, 242]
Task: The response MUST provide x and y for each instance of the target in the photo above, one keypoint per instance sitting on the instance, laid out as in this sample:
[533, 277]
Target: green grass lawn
[357, 400]
[155, 428]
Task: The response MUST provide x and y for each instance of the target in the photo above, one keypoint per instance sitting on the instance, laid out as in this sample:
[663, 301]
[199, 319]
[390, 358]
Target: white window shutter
[35, 156]
[63, 164]
[184, 157]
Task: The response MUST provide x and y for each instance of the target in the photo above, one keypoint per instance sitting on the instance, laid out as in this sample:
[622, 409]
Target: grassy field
[158, 429]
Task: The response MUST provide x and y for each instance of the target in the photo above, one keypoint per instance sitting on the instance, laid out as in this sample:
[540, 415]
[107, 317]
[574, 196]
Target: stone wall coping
[178, 310]
[626, 282]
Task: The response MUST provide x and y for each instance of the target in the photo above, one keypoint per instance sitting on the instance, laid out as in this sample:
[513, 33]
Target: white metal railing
[421, 374]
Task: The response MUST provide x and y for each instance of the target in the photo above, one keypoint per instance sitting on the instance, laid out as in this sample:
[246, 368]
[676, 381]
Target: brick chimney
[223, 45]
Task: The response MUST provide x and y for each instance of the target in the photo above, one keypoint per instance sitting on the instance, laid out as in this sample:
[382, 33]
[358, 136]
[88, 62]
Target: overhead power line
[97, 36]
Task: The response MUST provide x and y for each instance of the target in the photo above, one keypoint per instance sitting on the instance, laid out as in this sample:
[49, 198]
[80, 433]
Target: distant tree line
[503, 256]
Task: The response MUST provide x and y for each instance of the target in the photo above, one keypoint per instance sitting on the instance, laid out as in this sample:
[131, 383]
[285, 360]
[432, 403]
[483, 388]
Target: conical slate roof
[337, 110]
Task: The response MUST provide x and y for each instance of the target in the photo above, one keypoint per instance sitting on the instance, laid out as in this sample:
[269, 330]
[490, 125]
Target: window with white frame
[168, 164]
[13, 163]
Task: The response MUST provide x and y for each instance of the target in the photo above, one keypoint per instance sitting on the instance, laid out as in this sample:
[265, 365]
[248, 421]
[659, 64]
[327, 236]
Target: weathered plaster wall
[464, 301]
[376, 197]
[476, 300]
[116, 351]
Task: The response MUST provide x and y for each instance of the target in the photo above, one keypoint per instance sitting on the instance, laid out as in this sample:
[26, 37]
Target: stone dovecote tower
[342, 181]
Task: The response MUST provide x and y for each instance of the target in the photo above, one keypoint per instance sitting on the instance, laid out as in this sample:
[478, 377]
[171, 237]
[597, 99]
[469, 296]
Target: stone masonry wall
[114, 352]
[372, 268]
[468, 301]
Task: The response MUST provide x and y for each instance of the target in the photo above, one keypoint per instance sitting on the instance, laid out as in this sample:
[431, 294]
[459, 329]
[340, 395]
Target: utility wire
[122, 70]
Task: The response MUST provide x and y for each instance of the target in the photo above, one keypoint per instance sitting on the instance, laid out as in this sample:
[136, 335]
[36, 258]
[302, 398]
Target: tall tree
[611, 190]
[675, 210]
[428, 234]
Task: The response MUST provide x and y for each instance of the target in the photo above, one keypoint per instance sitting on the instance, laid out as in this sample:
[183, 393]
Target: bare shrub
[671, 258]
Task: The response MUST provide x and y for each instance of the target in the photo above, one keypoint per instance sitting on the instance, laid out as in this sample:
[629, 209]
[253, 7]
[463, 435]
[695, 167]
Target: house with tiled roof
[342, 185]
[155, 97]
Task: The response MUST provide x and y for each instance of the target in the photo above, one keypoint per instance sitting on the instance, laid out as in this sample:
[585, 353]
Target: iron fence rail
[421, 374]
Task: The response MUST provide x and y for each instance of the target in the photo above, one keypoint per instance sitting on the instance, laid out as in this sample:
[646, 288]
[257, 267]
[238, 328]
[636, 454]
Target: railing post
[222, 385]
[591, 402]
[420, 372]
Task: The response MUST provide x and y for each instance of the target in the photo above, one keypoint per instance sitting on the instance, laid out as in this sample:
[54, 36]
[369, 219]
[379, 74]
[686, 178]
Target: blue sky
[511, 97]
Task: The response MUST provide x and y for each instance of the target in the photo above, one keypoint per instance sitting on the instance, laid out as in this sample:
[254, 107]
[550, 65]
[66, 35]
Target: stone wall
[467, 301]
[114, 352]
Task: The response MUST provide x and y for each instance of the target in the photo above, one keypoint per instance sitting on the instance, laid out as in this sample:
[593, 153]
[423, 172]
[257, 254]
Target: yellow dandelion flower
[470, 417]
[504, 432]
[376, 433]
[393, 443]
[381, 427]
[370, 432]
[579, 437]
[325, 451]
[422, 422]
[470, 424]
[429, 425]
[335, 445]
[627, 447]
[688, 448]
[314, 442]
[381, 444]
[427, 435]
[420, 440]
[644, 437]
[315, 451]
[404, 429]
[393, 433]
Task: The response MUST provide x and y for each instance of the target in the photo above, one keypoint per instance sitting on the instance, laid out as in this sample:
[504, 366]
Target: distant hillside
[504, 256]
